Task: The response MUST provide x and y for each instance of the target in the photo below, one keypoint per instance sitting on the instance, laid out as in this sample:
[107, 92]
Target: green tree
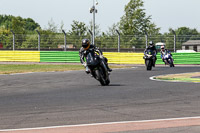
[52, 27]
[183, 34]
[112, 30]
[20, 26]
[110, 38]
[136, 22]
[30, 24]
[78, 28]
[77, 33]
[97, 28]
[31, 41]
[5, 37]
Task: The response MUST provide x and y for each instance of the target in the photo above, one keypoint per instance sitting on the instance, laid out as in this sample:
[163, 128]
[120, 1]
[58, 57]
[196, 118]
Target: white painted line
[134, 67]
[124, 68]
[97, 124]
[22, 73]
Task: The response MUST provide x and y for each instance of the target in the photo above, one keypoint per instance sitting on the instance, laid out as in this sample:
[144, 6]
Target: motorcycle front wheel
[101, 77]
[148, 65]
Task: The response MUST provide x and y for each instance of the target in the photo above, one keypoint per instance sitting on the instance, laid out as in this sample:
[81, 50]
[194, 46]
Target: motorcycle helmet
[85, 44]
[162, 48]
[151, 43]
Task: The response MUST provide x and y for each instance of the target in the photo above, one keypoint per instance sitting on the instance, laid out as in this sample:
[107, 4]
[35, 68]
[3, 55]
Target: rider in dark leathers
[152, 48]
[83, 53]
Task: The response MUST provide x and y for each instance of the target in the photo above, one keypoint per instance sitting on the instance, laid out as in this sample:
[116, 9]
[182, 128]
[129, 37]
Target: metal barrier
[61, 56]
[20, 56]
[183, 58]
[124, 58]
[73, 57]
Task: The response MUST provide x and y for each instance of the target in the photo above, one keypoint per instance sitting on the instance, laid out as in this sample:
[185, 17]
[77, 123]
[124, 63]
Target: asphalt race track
[71, 98]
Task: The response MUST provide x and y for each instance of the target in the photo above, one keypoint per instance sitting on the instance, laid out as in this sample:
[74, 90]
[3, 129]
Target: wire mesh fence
[57, 42]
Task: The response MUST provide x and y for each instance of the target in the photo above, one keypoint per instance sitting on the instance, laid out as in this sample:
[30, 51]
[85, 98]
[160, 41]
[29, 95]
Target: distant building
[191, 45]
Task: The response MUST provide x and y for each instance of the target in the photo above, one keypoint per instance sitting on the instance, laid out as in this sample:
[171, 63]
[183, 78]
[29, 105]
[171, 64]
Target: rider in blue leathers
[163, 52]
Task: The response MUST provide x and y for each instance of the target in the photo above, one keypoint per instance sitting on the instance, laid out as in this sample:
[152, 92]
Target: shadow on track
[116, 85]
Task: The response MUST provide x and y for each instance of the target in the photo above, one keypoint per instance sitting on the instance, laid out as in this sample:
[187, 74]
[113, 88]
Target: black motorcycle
[149, 59]
[97, 67]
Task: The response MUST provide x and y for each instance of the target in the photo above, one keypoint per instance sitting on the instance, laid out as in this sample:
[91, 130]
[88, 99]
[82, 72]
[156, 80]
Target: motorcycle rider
[152, 48]
[163, 52]
[83, 53]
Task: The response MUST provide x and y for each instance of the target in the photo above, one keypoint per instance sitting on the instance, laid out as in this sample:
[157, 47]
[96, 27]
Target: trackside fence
[60, 41]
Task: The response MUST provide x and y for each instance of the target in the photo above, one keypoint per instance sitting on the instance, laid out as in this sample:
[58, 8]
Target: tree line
[132, 27]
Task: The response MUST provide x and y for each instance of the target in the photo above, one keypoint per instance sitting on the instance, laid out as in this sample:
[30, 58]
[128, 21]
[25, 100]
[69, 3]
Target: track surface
[70, 98]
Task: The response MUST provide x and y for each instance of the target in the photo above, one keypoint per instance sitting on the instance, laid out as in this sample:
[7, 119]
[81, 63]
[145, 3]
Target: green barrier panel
[182, 58]
[60, 56]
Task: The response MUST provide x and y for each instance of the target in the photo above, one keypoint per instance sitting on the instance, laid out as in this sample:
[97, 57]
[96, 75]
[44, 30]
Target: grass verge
[185, 77]
[24, 68]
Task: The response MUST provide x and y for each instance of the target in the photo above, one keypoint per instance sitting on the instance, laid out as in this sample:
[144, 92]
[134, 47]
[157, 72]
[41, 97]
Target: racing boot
[109, 69]
[106, 62]
[154, 64]
[87, 70]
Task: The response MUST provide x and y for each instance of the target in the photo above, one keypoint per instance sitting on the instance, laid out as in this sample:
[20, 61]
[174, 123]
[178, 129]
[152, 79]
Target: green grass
[24, 68]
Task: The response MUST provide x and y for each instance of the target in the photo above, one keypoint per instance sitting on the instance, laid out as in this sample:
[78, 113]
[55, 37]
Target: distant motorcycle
[149, 58]
[97, 67]
[169, 60]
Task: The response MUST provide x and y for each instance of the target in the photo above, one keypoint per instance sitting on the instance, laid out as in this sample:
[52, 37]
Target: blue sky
[165, 13]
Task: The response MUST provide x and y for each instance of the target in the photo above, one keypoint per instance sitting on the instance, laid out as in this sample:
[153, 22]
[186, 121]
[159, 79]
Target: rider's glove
[101, 56]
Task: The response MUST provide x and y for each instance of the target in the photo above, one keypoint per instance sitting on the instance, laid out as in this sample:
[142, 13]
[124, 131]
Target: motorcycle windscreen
[91, 59]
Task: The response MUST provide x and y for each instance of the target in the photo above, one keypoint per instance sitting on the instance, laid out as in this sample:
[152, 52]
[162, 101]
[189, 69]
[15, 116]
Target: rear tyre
[108, 81]
[171, 63]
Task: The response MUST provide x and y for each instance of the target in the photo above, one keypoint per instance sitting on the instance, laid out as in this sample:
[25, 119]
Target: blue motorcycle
[168, 60]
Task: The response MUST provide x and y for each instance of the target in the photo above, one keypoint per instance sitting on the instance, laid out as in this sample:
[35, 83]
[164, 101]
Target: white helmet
[162, 47]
